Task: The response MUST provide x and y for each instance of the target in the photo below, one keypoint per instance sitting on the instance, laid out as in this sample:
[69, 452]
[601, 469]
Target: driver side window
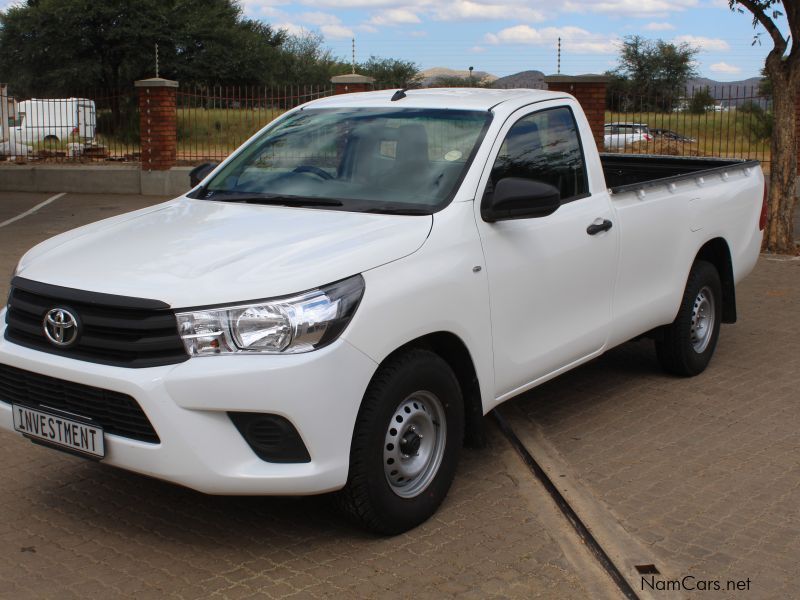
[544, 147]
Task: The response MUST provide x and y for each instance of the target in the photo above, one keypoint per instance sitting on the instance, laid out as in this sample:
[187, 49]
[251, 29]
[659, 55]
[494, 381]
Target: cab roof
[453, 98]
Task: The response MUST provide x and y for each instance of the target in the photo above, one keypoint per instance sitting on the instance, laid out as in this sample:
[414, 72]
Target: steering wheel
[313, 170]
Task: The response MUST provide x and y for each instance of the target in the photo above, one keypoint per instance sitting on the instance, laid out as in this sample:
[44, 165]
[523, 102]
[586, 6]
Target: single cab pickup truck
[336, 306]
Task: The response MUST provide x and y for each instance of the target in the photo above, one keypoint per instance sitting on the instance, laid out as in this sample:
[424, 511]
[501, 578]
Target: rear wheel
[406, 443]
[688, 344]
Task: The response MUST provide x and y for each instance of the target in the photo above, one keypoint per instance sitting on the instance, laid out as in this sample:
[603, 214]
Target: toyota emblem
[60, 327]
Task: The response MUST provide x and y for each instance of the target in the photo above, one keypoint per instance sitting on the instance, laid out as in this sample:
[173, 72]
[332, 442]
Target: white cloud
[261, 9]
[630, 8]
[418, 34]
[356, 3]
[292, 28]
[573, 39]
[723, 67]
[477, 49]
[659, 26]
[464, 10]
[336, 31]
[703, 43]
[394, 16]
[320, 18]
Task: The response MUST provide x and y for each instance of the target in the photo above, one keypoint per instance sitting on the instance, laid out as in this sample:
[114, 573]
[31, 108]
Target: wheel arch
[455, 353]
[717, 252]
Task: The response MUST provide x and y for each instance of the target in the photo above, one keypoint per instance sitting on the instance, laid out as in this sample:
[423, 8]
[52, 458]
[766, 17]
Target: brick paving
[72, 528]
[704, 471]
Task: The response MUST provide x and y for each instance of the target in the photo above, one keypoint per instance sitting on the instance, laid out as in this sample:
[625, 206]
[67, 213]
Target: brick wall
[590, 92]
[351, 83]
[158, 123]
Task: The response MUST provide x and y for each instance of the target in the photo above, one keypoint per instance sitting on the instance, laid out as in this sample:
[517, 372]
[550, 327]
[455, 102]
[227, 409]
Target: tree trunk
[779, 235]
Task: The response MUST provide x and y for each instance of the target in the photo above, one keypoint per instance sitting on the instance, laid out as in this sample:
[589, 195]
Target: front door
[550, 280]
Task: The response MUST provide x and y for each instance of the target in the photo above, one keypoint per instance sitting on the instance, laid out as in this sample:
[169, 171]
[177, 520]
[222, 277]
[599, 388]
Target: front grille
[114, 330]
[116, 413]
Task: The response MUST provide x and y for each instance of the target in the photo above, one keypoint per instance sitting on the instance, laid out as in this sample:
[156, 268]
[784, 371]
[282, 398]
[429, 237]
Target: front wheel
[688, 344]
[406, 443]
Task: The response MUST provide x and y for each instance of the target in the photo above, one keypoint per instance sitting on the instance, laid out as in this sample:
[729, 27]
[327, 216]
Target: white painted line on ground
[30, 211]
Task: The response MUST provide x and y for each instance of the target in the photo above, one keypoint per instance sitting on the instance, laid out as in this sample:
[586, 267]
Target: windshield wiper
[270, 199]
[393, 210]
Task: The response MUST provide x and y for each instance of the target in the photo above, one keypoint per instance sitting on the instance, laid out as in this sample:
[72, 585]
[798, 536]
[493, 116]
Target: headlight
[290, 325]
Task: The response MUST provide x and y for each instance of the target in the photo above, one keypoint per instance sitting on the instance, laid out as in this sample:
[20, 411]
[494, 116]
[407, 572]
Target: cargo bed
[629, 172]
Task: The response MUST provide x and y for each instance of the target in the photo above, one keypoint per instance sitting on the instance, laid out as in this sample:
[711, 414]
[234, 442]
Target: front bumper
[318, 392]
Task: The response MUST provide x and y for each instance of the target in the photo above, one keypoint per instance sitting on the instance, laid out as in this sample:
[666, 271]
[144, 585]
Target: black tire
[678, 350]
[368, 497]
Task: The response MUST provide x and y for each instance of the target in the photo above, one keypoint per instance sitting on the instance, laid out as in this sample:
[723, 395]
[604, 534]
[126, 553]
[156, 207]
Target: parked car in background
[668, 134]
[619, 135]
[338, 304]
[54, 120]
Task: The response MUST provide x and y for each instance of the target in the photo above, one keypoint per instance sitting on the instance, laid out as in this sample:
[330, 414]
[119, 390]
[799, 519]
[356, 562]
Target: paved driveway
[704, 472]
[698, 477]
[76, 529]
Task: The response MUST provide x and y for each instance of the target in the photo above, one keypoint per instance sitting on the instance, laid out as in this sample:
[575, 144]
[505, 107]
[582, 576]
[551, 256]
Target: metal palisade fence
[212, 121]
[215, 120]
[91, 125]
[722, 121]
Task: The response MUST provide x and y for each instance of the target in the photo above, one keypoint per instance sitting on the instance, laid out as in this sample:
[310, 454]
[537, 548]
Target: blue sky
[507, 36]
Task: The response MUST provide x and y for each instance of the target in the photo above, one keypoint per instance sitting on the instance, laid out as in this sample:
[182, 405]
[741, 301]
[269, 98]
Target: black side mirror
[199, 173]
[517, 198]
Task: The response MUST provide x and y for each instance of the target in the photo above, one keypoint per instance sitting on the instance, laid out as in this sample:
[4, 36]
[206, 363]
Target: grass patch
[730, 134]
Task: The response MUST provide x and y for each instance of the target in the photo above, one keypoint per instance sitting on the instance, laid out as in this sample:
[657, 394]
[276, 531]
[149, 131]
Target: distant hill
[523, 79]
[429, 76]
[729, 93]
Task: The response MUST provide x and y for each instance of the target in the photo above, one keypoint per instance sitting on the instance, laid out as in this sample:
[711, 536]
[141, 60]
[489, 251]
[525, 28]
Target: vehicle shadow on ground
[617, 374]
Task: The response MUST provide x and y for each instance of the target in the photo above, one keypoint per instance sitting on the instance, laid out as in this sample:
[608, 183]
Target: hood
[198, 252]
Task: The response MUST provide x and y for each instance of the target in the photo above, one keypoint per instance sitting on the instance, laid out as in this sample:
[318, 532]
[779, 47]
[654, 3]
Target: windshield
[391, 160]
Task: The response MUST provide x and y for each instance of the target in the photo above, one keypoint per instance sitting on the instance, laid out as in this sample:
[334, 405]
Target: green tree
[306, 61]
[783, 68]
[61, 46]
[390, 71]
[653, 70]
[702, 101]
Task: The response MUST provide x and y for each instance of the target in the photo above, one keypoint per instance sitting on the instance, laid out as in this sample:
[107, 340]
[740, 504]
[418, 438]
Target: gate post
[590, 92]
[158, 123]
[347, 84]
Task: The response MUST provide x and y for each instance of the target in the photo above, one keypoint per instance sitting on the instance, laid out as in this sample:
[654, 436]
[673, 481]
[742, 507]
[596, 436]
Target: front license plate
[57, 430]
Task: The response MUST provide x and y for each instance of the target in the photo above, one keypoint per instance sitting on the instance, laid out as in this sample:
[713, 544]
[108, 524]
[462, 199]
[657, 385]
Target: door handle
[596, 228]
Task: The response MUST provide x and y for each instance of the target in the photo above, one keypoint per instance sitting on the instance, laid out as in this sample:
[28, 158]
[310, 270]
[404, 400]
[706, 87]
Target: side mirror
[517, 198]
[199, 173]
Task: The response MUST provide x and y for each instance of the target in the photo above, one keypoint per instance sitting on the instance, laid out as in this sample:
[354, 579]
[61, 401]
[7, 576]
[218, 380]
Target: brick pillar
[347, 84]
[590, 92]
[158, 122]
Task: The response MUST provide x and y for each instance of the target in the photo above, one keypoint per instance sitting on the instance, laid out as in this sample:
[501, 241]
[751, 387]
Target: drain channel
[581, 529]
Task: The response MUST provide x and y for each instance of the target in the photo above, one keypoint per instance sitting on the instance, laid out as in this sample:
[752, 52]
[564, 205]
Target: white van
[55, 120]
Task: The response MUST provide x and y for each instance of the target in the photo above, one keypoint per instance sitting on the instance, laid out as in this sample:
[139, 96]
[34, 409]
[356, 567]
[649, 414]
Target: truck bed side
[668, 209]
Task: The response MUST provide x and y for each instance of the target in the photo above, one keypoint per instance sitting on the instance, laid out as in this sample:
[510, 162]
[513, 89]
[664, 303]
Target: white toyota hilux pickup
[337, 305]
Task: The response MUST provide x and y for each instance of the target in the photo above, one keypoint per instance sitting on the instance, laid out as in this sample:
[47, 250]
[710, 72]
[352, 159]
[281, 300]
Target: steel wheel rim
[703, 317]
[414, 444]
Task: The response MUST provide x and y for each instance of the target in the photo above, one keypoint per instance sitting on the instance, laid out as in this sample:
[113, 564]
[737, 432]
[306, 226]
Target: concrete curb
[622, 547]
[94, 179]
